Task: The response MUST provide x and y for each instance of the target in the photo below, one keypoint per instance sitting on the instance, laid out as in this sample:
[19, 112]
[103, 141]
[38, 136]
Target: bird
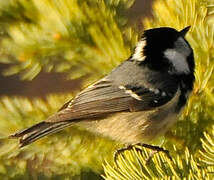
[138, 101]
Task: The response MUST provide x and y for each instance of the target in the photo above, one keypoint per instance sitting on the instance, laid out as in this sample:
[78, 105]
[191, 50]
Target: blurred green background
[51, 49]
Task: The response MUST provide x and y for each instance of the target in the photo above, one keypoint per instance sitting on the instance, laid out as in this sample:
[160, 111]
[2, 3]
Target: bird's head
[165, 48]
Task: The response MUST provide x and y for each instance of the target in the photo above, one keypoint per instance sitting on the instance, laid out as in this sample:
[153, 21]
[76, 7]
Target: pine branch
[81, 38]
[198, 114]
[132, 164]
[84, 38]
[78, 37]
[65, 154]
[207, 153]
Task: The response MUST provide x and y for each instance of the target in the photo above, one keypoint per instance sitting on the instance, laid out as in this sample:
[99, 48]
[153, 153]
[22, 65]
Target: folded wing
[105, 97]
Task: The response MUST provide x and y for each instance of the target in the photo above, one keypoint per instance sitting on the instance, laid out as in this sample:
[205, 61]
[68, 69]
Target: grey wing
[97, 100]
[104, 97]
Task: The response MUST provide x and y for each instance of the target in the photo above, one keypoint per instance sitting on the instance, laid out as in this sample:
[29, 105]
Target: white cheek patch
[178, 56]
[178, 60]
[182, 46]
[138, 54]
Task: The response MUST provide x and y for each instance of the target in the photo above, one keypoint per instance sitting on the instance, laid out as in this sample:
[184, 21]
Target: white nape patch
[131, 93]
[138, 53]
[178, 60]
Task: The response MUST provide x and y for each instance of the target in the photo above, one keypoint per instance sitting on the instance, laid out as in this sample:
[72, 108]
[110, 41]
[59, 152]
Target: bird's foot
[119, 151]
[155, 149]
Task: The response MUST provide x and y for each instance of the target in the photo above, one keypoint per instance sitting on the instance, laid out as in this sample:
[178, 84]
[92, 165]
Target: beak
[184, 31]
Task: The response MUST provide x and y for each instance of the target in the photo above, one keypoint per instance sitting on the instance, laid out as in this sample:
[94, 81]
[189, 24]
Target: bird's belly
[132, 127]
[135, 127]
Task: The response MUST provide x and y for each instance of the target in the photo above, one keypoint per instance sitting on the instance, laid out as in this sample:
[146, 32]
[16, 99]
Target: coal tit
[138, 101]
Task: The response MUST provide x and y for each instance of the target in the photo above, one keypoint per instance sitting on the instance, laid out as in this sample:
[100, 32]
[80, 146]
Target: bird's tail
[29, 135]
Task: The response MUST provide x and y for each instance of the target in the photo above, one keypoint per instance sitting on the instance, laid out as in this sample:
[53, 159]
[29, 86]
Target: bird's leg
[119, 151]
[155, 149]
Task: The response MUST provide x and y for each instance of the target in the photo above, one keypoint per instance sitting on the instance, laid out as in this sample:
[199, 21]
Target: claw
[155, 149]
[119, 151]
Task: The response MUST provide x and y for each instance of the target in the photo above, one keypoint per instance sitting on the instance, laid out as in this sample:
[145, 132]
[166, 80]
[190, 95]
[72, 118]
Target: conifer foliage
[86, 39]
[82, 38]
[191, 140]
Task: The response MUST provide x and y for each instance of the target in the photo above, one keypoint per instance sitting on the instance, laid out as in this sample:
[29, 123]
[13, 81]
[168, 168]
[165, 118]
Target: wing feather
[105, 97]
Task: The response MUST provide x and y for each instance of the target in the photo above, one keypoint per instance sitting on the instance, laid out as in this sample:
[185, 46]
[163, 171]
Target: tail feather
[29, 135]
